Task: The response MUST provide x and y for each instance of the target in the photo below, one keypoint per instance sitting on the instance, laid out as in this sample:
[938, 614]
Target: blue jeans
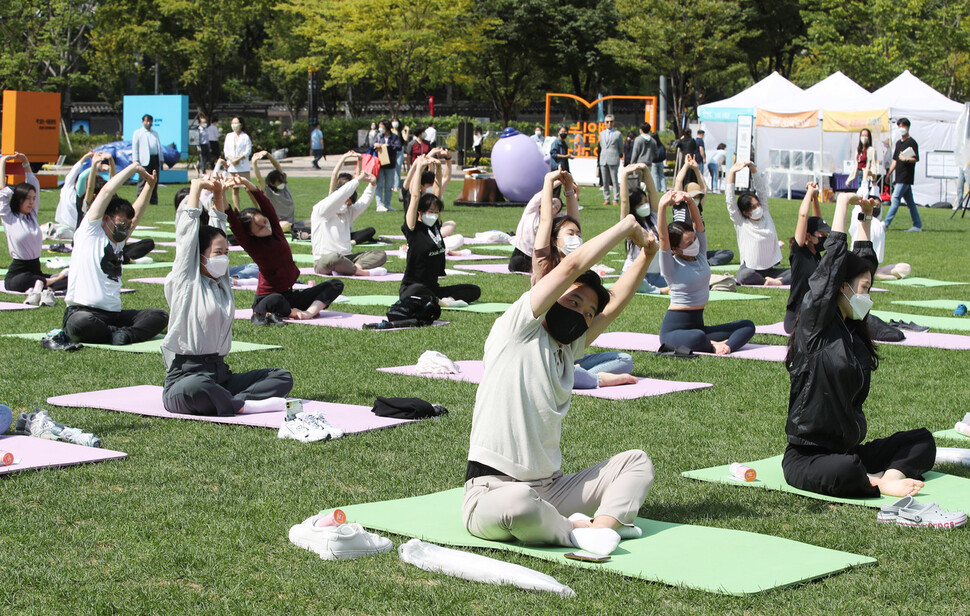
[713, 168]
[250, 270]
[900, 192]
[659, 181]
[961, 182]
[652, 283]
[398, 167]
[593, 363]
[385, 181]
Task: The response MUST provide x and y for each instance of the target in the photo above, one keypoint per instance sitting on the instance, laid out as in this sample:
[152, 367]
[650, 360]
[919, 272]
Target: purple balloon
[518, 167]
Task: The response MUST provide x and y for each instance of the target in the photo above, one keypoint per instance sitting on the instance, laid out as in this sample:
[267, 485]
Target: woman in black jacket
[830, 360]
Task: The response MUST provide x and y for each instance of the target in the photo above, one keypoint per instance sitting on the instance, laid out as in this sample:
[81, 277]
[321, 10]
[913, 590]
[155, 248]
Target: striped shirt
[757, 239]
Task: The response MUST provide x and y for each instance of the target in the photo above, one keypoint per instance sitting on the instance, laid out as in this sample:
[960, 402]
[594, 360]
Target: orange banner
[801, 119]
[854, 121]
[584, 136]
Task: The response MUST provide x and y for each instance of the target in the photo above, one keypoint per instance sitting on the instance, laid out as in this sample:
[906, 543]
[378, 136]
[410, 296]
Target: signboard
[584, 136]
[942, 165]
[170, 113]
[743, 178]
[31, 125]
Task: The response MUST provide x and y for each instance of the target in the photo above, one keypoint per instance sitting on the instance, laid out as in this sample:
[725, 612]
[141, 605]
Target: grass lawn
[195, 519]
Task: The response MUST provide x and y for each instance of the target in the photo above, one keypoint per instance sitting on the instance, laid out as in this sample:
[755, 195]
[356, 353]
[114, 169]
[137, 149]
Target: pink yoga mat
[787, 287]
[473, 371]
[147, 400]
[630, 341]
[14, 306]
[389, 277]
[56, 293]
[41, 453]
[232, 248]
[950, 342]
[328, 318]
[244, 284]
[490, 268]
[401, 255]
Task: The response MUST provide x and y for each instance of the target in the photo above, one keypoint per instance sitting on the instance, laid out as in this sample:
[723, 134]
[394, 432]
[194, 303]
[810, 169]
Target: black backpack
[420, 308]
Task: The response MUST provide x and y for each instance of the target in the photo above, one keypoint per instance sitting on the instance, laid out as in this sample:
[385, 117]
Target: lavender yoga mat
[630, 341]
[41, 453]
[469, 241]
[490, 268]
[402, 255]
[950, 342]
[232, 248]
[787, 287]
[147, 400]
[343, 320]
[14, 306]
[242, 285]
[388, 277]
[473, 371]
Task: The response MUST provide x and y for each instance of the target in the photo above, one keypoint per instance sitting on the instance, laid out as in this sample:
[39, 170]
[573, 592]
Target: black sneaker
[913, 327]
[60, 342]
[272, 319]
[120, 337]
[258, 319]
[60, 248]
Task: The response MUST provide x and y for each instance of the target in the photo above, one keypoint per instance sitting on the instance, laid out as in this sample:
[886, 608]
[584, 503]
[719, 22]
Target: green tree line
[503, 52]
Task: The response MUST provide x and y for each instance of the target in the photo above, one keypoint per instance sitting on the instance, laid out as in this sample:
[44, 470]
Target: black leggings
[847, 474]
[685, 328]
[464, 292]
[281, 304]
[520, 262]
[754, 277]
[22, 275]
[363, 236]
[85, 324]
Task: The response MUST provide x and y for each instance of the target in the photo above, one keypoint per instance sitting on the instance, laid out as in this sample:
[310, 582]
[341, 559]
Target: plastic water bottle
[742, 472]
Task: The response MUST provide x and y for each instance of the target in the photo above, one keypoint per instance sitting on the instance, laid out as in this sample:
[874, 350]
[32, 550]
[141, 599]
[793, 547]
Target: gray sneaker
[321, 424]
[40, 425]
[914, 229]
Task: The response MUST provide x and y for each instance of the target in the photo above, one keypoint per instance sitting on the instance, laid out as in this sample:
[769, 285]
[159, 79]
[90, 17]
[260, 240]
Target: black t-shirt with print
[905, 172]
[426, 255]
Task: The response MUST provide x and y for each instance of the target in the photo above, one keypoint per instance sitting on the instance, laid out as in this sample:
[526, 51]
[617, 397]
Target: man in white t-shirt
[515, 489]
[93, 297]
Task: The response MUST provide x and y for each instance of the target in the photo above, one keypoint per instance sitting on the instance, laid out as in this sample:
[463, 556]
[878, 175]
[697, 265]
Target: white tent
[933, 118]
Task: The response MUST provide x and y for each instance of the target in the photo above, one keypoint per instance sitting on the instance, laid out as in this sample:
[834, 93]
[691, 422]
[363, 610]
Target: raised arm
[626, 287]
[801, 227]
[411, 217]
[141, 203]
[625, 172]
[254, 161]
[570, 193]
[347, 157]
[682, 174]
[544, 230]
[96, 211]
[548, 290]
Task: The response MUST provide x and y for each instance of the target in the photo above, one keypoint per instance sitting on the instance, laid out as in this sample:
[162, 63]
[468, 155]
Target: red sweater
[277, 271]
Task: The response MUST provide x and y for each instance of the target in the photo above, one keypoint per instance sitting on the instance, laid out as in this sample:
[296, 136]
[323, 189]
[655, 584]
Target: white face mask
[217, 266]
[538, 133]
[643, 211]
[756, 213]
[373, 126]
[693, 250]
[864, 140]
[571, 243]
[394, 124]
[429, 219]
[236, 127]
[280, 187]
[861, 304]
[903, 131]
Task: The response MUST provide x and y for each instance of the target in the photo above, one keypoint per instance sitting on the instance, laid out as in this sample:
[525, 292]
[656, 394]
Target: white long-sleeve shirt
[24, 237]
[757, 239]
[201, 310]
[236, 146]
[66, 213]
[332, 219]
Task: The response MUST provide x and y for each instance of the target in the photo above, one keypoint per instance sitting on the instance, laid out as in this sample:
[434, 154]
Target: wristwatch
[863, 216]
[569, 193]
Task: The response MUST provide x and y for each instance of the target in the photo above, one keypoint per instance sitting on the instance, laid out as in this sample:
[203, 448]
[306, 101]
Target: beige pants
[499, 508]
[332, 263]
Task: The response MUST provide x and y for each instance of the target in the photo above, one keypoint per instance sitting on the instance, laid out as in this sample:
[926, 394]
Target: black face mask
[565, 325]
[119, 232]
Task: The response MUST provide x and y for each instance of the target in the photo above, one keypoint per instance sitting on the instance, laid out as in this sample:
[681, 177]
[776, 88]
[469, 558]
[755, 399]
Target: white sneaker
[299, 430]
[33, 298]
[47, 298]
[58, 263]
[378, 271]
[624, 531]
[337, 542]
[386, 208]
[319, 423]
[143, 260]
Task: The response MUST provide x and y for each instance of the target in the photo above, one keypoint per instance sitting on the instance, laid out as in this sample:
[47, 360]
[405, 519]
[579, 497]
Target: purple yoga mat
[401, 255]
[630, 341]
[41, 453]
[473, 371]
[243, 284]
[56, 293]
[787, 287]
[14, 306]
[147, 400]
[470, 241]
[328, 318]
[950, 342]
[232, 248]
[389, 277]
[490, 268]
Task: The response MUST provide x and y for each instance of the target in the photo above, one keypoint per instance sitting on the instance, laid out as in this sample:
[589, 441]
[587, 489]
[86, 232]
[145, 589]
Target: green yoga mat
[152, 346]
[945, 304]
[497, 247]
[955, 323]
[950, 492]
[164, 235]
[716, 296]
[951, 434]
[726, 269]
[916, 281]
[715, 560]
[387, 300]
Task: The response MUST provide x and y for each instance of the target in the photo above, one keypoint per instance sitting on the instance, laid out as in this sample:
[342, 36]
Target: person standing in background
[611, 149]
[146, 149]
[905, 157]
[214, 136]
[559, 153]
[714, 164]
[204, 150]
[659, 165]
[316, 145]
